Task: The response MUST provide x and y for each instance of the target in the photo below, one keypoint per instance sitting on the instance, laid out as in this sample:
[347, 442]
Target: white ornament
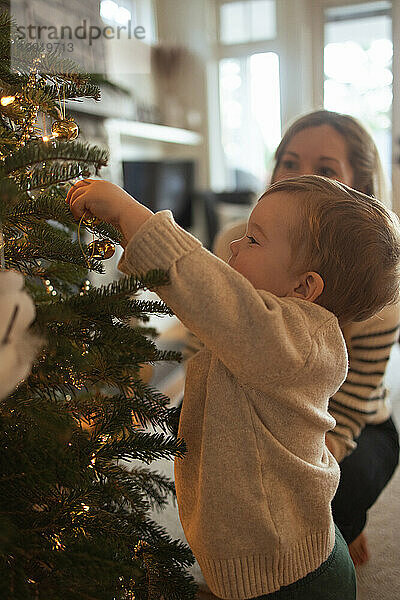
[17, 346]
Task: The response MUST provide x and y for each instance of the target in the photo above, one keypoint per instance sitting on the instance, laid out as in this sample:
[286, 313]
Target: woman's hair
[363, 154]
[350, 239]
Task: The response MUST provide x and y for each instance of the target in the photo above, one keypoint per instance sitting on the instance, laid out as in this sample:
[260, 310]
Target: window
[250, 118]
[139, 12]
[358, 68]
[247, 21]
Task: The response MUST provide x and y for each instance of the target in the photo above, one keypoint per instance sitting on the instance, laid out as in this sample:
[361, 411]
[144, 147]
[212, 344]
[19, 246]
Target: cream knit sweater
[363, 399]
[255, 486]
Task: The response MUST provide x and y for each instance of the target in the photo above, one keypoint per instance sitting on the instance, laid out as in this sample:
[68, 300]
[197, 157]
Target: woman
[365, 440]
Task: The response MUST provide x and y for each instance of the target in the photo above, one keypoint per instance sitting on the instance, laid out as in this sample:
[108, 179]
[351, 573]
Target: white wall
[186, 23]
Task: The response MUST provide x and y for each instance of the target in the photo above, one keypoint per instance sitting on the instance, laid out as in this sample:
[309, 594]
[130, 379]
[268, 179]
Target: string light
[48, 138]
[57, 544]
[85, 287]
[6, 100]
[49, 288]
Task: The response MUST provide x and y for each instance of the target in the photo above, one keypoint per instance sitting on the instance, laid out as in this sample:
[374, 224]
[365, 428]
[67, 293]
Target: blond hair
[363, 154]
[352, 240]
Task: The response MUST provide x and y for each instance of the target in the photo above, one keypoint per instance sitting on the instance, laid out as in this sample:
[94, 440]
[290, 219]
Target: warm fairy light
[76, 382]
[85, 287]
[45, 138]
[6, 100]
[49, 288]
[85, 507]
[57, 544]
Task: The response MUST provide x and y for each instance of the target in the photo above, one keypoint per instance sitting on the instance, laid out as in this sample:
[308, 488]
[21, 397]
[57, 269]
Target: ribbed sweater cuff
[157, 245]
[255, 575]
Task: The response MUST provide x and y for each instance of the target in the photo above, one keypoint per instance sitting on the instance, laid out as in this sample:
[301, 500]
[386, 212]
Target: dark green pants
[335, 579]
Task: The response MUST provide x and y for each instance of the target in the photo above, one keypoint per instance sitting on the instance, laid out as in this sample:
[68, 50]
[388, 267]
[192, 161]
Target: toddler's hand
[108, 202]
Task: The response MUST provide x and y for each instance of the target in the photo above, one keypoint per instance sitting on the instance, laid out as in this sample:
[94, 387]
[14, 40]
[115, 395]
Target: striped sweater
[363, 398]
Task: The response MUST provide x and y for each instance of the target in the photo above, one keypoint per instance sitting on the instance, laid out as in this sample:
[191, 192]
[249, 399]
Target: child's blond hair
[350, 239]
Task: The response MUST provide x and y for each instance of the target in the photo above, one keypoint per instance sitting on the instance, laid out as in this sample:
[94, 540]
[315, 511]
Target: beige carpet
[380, 578]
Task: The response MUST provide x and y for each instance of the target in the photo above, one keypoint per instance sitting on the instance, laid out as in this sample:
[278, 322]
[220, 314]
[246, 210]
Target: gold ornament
[65, 129]
[101, 249]
[90, 221]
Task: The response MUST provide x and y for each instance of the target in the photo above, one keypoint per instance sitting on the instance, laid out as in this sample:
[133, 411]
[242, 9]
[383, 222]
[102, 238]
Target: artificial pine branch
[48, 175]
[48, 243]
[38, 152]
[146, 447]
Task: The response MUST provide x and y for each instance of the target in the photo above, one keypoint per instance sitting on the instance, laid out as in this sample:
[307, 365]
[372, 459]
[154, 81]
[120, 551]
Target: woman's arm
[362, 398]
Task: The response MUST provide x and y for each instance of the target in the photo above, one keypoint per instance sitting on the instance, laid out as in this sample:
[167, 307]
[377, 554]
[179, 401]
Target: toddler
[255, 487]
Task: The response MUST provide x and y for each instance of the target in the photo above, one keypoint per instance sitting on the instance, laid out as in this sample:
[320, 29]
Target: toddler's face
[264, 254]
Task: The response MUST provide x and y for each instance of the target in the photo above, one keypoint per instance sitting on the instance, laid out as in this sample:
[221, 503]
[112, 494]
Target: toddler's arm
[257, 335]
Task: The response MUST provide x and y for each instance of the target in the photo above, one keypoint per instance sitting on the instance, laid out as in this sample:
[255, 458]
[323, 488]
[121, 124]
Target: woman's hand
[108, 202]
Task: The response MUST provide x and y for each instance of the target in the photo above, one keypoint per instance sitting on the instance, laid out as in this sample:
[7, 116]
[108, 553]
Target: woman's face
[319, 150]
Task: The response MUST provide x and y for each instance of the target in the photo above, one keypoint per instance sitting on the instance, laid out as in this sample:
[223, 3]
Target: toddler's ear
[309, 287]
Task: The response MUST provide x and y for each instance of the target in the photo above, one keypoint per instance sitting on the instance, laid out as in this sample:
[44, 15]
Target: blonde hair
[352, 240]
[363, 154]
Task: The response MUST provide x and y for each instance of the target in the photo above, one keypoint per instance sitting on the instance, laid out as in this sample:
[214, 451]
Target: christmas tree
[74, 514]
